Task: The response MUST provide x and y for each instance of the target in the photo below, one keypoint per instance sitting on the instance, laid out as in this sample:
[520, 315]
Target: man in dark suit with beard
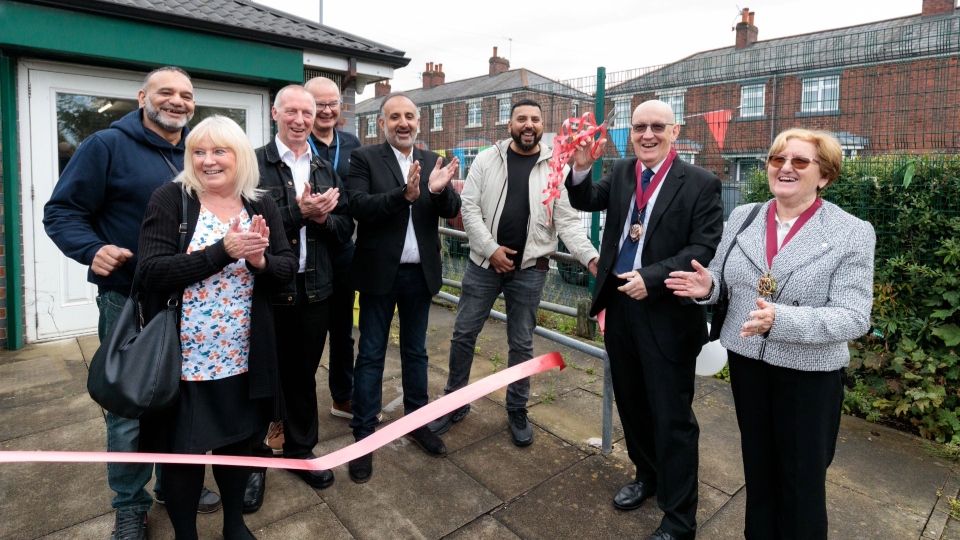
[397, 195]
[661, 214]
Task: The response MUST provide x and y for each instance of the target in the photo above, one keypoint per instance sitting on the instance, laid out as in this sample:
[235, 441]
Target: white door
[64, 105]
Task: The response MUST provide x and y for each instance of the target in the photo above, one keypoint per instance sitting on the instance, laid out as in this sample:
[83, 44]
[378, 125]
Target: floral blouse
[215, 315]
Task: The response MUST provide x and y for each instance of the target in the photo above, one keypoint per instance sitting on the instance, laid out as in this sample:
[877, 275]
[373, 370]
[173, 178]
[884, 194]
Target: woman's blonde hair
[829, 152]
[223, 133]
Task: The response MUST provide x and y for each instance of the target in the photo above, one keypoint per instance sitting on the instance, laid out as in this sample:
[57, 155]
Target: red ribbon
[772, 247]
[390, 433]
[573, 132]
[643, 197]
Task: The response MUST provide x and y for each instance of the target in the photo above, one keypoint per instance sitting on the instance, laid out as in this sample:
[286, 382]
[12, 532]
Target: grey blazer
[824, 288]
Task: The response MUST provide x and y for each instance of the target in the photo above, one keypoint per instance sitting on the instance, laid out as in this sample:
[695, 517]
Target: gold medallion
[766, 285]
[636, 230]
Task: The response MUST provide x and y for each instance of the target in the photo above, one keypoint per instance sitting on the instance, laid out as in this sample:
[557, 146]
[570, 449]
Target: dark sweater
[164, 269]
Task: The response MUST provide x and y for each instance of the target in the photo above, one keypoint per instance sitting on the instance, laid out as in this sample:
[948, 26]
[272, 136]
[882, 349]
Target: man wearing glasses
[662, 213]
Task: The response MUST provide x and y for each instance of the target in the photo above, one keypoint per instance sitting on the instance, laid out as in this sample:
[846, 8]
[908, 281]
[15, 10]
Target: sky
[566, 40]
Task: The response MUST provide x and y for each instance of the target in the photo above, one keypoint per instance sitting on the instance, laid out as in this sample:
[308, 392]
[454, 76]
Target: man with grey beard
[94, 217]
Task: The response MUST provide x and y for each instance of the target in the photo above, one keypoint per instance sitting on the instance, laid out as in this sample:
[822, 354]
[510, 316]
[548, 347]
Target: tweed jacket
[824, 295]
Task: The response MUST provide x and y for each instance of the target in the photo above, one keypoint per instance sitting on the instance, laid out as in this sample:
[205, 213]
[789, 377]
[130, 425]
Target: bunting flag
[620, 136]
[718, 122]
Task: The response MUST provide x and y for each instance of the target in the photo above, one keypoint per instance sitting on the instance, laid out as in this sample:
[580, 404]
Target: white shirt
[300, 167]
[783, 228]
[411, 251]
[625, 233]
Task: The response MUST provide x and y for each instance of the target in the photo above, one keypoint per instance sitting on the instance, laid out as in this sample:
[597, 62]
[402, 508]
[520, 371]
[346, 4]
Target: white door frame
[258, 129]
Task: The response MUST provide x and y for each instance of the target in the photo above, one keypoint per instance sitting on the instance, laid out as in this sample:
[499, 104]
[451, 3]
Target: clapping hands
[249, 245]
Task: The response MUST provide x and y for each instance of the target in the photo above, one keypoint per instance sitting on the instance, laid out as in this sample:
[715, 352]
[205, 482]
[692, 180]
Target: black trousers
[341, 329]
[301, 331]
[654, 394]
[789, 421]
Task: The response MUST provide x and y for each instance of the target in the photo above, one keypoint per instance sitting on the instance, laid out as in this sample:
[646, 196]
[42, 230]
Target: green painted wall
[39, 31]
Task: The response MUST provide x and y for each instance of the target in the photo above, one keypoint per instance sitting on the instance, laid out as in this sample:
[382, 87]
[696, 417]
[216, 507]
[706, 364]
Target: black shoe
[209, 501]
[129, 525]
[316, 479]
[253, 495]
[632, 495]
[520, 431]
[361, 468]
[430, 443]
[662, 535]
[442, 425]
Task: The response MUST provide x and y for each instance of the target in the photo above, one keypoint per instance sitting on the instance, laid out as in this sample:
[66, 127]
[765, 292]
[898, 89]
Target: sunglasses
[656, 128]
[798, 163]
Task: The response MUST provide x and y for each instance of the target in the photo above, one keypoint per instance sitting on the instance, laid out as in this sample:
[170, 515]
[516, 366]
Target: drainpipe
[11, 201]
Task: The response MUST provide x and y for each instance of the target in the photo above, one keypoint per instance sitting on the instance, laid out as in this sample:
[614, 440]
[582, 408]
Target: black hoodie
[103, 192]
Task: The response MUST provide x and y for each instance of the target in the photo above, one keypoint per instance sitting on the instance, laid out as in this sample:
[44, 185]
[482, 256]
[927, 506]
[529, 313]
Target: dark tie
[628, 251]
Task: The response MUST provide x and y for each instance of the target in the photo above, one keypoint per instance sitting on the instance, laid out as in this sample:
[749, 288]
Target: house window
[473, 113]
[751, 100]
[469, 154]
[821, 94]
[687, 157]
[371, 126]
[437, 117]
[504, 110]
[675, 101]
[745, 168]
[622, 119]
[575, 110]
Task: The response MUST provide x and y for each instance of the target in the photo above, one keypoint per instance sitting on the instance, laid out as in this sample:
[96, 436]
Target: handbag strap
[746, 223]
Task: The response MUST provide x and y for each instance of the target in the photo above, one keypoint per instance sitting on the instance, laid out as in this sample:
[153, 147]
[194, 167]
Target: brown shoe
[275, 438]
[342, 410]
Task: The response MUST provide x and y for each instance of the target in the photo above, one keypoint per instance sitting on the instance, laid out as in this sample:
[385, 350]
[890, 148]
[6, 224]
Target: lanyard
[643, 197]
[336, 156]
[772, 248]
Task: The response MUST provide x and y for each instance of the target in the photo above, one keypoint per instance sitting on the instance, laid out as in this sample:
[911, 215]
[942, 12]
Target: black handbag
[136, 370]
[723, 300]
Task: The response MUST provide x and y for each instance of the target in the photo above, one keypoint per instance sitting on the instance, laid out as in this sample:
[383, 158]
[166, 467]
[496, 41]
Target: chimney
[934, 8]
[433, 75]
[381, 89]
[746, 31]
[497, 64]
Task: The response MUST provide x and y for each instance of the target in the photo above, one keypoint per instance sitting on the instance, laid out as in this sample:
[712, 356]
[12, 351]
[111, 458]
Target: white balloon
[712, 358]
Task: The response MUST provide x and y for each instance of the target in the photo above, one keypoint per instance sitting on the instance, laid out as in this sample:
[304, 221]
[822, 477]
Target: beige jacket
[484, 193]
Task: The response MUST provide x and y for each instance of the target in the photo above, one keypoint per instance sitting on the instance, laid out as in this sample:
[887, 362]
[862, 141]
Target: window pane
[751, 100]
[473, 114]
[811, 95]
[676, 102]
[623, 112]
[504, 110]
[80, 116]
[831, 94]
[237, 115]
[437, 117]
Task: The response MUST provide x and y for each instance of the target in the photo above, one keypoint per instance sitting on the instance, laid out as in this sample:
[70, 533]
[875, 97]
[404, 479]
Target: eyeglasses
[642, 128]
[333, 105]
[798, 163]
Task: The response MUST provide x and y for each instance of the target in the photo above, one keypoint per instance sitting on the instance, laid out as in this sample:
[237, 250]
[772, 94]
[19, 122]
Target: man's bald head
[326, 96]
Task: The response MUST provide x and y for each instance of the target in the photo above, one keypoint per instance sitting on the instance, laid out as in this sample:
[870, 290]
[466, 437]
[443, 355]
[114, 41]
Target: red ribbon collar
[643, 197]
[772, 248]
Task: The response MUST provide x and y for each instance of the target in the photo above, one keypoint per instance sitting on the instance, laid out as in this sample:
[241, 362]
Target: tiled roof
[485, 85]
[883, 41]
[243, 19]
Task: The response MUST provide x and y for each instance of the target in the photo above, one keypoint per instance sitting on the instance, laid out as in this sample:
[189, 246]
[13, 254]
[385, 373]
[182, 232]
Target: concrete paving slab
[315, 522]
[97, 528]
[484, 528]
[67, 349]
[518, 469]
[484, 419]
[78, 492]
[47, 414]
[888, 466]
[42, 379]
[88, 347]
[575, 417]
[721, 461]
[937, 521]
[410, 495]
[852, 514]
[727, 523]
[578, 504]
[31, 373]
[952, 530]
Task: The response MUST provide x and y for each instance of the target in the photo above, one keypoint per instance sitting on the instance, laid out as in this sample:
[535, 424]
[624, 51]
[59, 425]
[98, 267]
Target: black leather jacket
[277, 179]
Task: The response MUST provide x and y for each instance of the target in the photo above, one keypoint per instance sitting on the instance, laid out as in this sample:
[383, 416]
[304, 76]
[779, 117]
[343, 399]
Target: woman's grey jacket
[824, 295]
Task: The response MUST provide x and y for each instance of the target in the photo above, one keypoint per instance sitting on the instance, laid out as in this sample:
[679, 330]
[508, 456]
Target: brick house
[883, 87]
[463, 117]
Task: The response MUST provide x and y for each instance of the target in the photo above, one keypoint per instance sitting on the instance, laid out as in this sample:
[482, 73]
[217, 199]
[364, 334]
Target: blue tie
[628, 251]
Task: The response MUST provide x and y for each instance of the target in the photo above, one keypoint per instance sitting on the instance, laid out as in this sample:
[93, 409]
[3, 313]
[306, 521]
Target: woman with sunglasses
[800, 281]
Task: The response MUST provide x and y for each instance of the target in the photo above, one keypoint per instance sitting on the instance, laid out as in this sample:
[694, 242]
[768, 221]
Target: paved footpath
[882, 485]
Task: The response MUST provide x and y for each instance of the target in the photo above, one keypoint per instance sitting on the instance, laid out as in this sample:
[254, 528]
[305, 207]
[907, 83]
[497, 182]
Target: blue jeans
[411, 297]
[521, 290]
[127, 480]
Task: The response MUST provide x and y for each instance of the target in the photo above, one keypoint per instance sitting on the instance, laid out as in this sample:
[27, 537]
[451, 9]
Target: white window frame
[474, 108]
[752, 104]
[673, 98]
[503, 108]
[371, 126]
[436, 118]
[688, 157]
[815, 96]
[624, 113]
